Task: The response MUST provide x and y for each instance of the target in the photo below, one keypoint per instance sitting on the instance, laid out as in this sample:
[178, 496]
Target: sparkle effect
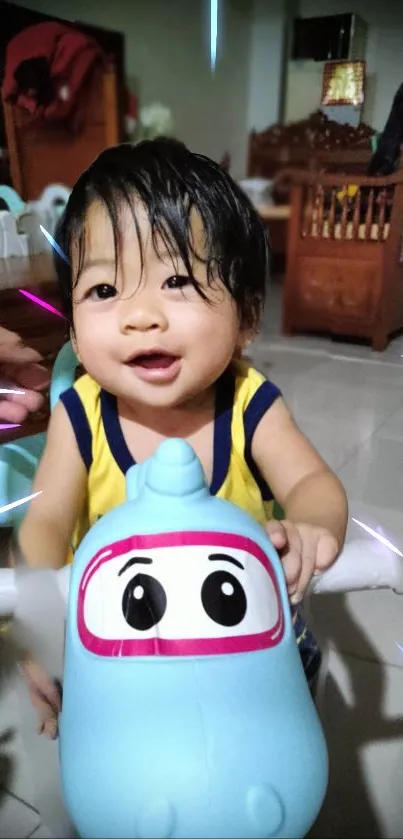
[39, 302]
[378, 536]
[54, 244]
[18, 503]
[12, 390]
[213, 33]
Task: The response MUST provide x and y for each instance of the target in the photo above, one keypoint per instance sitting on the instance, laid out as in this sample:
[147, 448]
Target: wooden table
[39, 328]
[273, 212]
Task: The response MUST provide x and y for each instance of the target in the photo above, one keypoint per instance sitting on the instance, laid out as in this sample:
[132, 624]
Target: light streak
[378, 536]
[213, 33]
[18, 503]
[39, 302]
[54, 244]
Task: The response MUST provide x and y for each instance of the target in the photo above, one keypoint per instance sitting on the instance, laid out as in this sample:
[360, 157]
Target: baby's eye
[103, 291]
[177, 282]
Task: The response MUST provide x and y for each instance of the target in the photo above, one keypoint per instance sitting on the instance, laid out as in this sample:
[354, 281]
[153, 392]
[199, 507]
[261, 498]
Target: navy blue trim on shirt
[262, 400]
[222, 431]
[80, 424]
[224, 404]
[114, 433]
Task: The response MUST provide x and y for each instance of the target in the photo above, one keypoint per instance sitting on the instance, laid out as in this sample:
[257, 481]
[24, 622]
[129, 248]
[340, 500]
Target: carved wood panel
[342, 288]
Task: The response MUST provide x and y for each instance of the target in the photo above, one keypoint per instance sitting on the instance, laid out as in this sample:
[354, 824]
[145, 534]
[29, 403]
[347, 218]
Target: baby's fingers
[327, 551]
[292, 559]
[41, 686]
[276, 533]
[46, 713]
[45, 696]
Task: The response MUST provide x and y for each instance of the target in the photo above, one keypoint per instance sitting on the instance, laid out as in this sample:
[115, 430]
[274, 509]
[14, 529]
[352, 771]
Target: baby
[164, 288]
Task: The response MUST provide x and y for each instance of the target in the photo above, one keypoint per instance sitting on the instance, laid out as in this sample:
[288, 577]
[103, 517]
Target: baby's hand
[45, 697]
[304, 550]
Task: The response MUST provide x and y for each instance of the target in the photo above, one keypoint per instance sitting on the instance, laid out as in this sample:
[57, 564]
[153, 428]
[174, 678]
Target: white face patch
[199, 595]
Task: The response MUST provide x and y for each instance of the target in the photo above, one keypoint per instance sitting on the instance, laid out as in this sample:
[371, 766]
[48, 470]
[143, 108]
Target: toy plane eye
[201, 598]
[224, 598]
[144, 602]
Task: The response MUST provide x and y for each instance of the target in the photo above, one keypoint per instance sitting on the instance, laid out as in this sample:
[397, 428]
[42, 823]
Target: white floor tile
[42, 832]
[17, 821]
[15, 774]
[349, 402]
[375, 476]
[392, 429]
[367, 624]
[364, 729]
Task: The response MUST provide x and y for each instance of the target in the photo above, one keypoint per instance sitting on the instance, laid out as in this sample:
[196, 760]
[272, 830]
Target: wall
[384, 59]
[266, 63]
[168, 59]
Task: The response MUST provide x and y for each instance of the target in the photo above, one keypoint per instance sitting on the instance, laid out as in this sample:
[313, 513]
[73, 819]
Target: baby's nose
[142, 314]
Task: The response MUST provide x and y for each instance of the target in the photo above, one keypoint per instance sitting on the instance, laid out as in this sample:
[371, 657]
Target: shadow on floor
[349, 810]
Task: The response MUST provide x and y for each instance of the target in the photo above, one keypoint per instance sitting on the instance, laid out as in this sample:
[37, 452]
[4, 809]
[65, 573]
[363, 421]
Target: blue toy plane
[186, 711]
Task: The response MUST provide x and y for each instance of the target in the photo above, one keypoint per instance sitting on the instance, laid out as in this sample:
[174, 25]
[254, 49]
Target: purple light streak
[39, 302]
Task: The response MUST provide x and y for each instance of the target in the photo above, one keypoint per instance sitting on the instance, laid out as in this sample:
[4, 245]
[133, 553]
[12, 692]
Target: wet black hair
[171, 181]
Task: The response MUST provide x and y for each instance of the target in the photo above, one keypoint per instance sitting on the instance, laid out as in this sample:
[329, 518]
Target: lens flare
[54, 244]
[378, 536]
[213, 33]
[39, 302]
[12, 390]
[18, 503]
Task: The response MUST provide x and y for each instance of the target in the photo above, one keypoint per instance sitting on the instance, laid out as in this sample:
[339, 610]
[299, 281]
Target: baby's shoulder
[84, 395]
[253, 390]
[87, 388]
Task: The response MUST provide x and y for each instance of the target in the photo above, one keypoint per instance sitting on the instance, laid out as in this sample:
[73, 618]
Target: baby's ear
[74, 343]
[246, 336]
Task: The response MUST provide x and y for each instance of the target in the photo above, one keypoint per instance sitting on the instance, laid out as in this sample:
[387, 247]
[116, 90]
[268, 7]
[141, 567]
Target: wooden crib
[344, 271]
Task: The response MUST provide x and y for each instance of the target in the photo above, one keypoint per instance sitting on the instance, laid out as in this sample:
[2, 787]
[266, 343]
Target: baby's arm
[312, 497]
[46, 532]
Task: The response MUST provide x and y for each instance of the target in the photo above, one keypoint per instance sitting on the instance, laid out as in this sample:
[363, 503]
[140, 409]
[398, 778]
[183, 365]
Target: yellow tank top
[242, 398]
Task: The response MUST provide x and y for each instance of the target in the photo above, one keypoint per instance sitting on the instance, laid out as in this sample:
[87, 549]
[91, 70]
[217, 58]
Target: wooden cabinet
[344, 273]
[338, 287]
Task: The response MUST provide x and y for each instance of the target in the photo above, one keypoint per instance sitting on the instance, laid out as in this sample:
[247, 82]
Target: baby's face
[147, 335]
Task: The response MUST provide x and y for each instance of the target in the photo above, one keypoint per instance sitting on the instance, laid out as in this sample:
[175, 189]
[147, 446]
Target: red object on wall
[70, 56]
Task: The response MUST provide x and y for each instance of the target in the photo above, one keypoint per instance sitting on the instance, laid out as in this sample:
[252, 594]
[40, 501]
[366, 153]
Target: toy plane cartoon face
[179, 594]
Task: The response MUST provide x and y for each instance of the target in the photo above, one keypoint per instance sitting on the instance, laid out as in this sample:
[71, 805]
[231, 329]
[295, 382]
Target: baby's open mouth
[153, 360]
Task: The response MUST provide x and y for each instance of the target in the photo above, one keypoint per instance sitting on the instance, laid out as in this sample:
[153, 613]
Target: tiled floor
[350, 403]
